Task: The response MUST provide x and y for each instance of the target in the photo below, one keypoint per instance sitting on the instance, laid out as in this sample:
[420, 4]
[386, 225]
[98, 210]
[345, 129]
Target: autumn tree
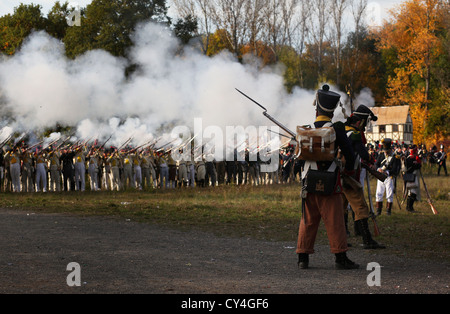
[415, 34]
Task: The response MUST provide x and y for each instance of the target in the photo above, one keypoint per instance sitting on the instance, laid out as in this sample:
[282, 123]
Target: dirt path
[119, 256]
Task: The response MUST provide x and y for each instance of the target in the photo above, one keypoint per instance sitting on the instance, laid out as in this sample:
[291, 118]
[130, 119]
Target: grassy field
[261, 212]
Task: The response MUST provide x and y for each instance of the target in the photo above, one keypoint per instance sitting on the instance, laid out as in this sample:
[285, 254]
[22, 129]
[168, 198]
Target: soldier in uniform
[153, 168]
[41, 171]
[27, 171]
[183, 178]
[326, 205]
[191, 171]
[389, 163]
[127, 161]
[106, 176]
[80, 168]
[55, 170]
[353, 192]
[172, 171]
[412, 165]
[114, 161]
[210, 178]
[14, 157]
[68, 170]
[200, 171]
[441, 157]
[93, 162]
[163, 171]
[137, 178]
[145, 169]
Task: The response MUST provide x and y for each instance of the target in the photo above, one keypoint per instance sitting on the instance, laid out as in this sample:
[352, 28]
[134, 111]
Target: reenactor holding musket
[441, 157]
[114, 161]
[352, 188]
[163, 171]
[68, 170]
[411, 166]
[80, 168]
[321, 188]
[55, 170]
[14, 158]
[41, 171]
[145, 169]
[137, 176]
[388, 162]
[127, 163]
[27, 171]
[182, 172]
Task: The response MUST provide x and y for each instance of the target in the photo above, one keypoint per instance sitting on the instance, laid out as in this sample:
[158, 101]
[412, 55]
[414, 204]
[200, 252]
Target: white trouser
[137, 177]
[385, 187]
[41, 175]
[80, 171]
[15, 176]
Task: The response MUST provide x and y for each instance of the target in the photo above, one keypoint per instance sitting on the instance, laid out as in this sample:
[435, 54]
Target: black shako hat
[327, 100]
[363, 112]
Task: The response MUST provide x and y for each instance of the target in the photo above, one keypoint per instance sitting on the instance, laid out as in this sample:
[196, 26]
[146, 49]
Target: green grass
[262, 212]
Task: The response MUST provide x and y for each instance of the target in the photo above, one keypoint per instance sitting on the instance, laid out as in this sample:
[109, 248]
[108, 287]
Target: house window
[382, 129]
[395, 128]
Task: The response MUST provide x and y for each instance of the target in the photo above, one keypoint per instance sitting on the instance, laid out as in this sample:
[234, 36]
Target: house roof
[391, 115]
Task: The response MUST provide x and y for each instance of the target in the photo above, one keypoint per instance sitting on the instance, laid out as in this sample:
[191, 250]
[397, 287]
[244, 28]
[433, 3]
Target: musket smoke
[40, 87]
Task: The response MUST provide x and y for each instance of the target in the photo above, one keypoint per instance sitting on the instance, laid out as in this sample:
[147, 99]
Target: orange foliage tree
[414, 35]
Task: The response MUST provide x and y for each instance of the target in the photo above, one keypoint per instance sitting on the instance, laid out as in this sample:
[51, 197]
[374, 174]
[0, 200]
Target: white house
[393, 122]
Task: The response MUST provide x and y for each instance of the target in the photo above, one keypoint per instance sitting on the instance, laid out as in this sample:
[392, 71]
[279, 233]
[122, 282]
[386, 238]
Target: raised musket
[292, 134]
[379, 175]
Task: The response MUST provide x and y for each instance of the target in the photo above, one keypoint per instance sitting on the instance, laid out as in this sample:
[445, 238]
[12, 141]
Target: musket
[101, 147]
[20, 139]
[136, 148]
[35, 145]
[292, 134]
[379, 175]
[62, 143]
[372, 213]
[433, 209]
[284, 135]
[5, 141]
[167, 144]
[124, 144]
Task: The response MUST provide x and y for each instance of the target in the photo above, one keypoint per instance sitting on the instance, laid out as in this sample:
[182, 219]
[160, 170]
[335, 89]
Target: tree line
[405, 60]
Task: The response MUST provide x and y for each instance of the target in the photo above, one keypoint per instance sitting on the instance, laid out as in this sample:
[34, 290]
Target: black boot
[343, 262]
[379, 208]
[369, 242]
[303, 260]
[410, 202]
[388, 208]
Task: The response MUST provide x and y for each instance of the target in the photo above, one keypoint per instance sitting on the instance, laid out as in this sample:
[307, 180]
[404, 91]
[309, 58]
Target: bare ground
[126, 257]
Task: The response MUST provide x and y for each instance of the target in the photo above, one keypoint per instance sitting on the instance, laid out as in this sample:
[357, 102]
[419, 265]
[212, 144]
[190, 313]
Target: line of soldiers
[70, 168]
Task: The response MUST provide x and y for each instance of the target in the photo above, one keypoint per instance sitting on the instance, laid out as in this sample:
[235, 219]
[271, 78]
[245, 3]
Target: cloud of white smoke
[40, 87]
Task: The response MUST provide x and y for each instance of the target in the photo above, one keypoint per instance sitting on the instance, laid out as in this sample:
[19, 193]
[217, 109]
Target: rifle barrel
[269, 116]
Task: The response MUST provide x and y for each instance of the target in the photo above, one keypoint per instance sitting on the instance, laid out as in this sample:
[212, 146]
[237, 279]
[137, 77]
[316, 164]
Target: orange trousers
[331, 210]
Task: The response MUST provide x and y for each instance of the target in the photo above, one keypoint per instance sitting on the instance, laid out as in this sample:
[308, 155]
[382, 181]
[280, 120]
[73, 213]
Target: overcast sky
[7, 6]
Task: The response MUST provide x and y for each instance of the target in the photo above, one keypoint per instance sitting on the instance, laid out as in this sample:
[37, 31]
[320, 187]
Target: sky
[7, 6]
